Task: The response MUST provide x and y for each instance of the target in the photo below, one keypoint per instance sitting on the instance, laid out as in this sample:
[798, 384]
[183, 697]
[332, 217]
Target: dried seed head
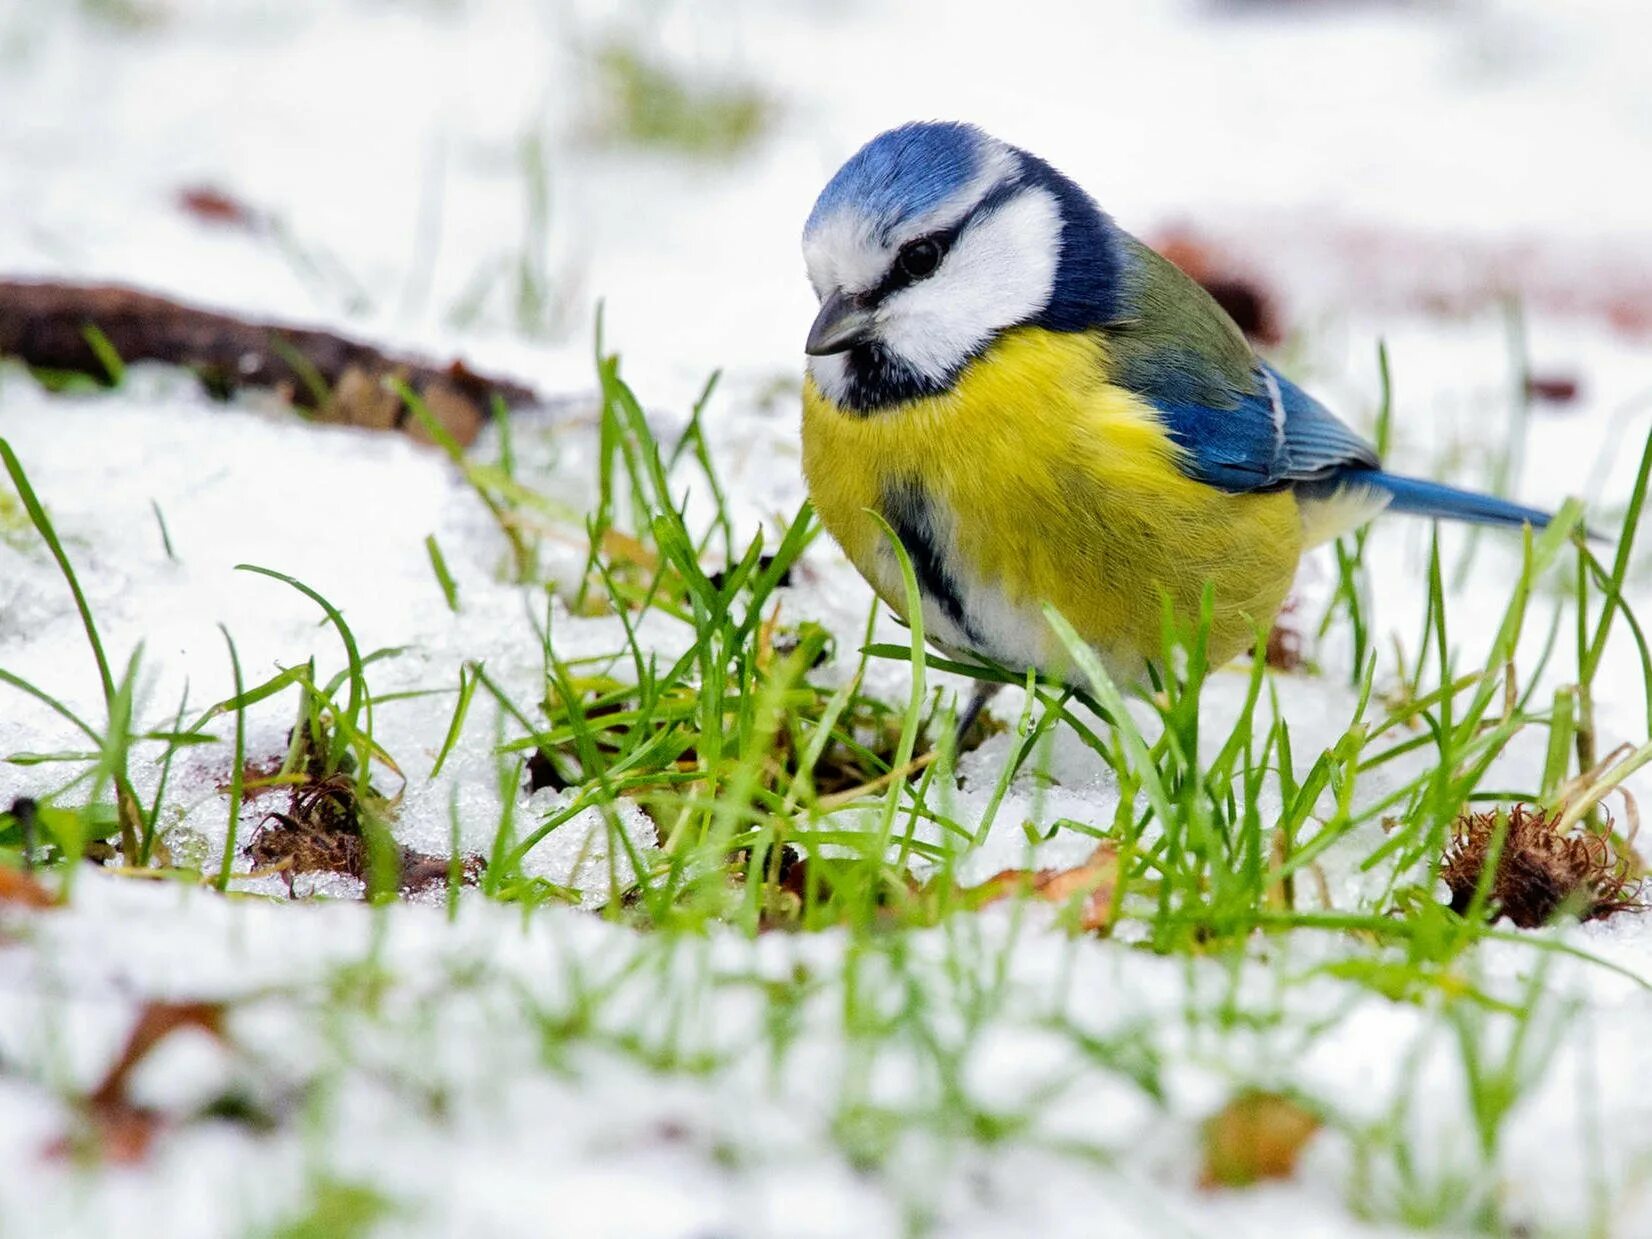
[1539, 872]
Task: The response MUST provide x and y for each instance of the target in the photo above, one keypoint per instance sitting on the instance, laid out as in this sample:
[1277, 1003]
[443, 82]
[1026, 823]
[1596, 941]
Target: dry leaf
[1555, 388]
[156, 1022]
[360, 398]
[212, 205]
[17, 887]
[1287, 648]
[454, 411]
[113, 1127]
[1092, 885]
[1255, 1136]
[1247, 299]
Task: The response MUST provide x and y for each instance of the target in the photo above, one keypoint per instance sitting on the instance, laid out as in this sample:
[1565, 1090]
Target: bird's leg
[985, 691]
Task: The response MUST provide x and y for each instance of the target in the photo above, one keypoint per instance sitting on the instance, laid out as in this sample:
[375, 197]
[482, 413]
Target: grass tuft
[730, 771]
[644, 101]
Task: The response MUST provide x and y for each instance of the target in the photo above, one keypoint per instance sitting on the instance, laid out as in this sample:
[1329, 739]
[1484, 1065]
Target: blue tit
[1044, 410]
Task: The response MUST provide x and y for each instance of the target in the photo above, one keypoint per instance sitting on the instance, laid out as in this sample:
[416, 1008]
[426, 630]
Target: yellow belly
[1053, 485]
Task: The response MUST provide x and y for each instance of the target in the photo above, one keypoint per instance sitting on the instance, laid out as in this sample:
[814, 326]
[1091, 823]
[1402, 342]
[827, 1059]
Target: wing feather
[1241, 425]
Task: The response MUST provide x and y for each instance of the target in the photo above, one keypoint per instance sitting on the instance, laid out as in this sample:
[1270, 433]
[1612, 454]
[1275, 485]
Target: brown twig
[44, 324]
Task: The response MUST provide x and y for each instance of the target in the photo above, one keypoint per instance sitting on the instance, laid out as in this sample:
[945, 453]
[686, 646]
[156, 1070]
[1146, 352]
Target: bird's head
[928, 244]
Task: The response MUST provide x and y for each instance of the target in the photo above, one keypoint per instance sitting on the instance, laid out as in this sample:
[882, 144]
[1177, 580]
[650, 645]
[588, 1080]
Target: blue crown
[903, 173]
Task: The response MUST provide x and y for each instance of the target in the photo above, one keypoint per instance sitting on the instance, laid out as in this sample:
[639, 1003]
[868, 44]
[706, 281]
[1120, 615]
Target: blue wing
[1274, 435]
[1240, 424]
[1281, 436]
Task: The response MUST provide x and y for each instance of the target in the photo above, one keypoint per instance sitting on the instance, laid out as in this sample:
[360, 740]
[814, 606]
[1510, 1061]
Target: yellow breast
[1047, 483]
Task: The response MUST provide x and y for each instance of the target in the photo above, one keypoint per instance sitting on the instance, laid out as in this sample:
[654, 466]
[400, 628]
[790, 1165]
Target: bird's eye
[919, 258]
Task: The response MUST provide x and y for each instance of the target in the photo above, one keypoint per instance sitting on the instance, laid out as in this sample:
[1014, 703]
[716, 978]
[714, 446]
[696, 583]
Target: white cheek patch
[1000, 272]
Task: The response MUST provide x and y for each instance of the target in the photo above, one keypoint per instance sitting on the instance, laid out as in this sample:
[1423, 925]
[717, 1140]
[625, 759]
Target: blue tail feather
[1442, 502]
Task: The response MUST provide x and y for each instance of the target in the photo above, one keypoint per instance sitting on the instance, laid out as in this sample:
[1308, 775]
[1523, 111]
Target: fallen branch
[60, 327]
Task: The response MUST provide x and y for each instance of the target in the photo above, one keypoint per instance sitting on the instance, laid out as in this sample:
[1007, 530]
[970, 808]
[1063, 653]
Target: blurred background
[475, 175]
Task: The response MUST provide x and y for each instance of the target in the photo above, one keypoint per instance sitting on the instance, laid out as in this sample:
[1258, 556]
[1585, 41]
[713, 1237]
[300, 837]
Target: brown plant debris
[1554, 389]
[542, 772]
[1247, 300]
[45, 326]
[844, 770]
[1089, 887]
[1539, 871]
[211, 205]
[20, 890]
[1357, 266]
[323, 832]
[720, 577]
[258, 778]
[1287, 648]
[113, 1127]
[1257, 1135]
[800, 882]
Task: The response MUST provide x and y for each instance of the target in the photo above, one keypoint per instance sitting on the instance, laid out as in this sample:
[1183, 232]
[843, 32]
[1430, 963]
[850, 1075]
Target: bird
[1045, 411]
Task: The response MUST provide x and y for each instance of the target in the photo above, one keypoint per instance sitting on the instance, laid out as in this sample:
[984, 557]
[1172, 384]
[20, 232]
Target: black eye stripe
[996, 197]
[898, 279]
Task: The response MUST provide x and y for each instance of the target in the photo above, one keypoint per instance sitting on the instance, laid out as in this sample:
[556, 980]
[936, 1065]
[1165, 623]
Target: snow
[483, 1072]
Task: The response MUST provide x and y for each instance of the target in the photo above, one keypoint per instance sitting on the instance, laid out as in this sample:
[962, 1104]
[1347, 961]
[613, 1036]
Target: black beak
[840, 325]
